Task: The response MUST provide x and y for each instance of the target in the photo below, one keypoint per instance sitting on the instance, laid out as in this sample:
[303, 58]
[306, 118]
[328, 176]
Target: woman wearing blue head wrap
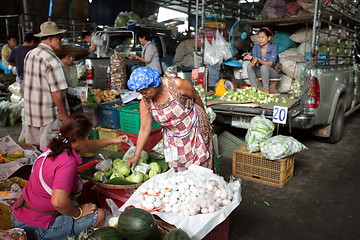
[175, 104]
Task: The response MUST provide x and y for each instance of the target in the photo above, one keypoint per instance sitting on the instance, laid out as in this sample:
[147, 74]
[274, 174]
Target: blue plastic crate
[109, 116]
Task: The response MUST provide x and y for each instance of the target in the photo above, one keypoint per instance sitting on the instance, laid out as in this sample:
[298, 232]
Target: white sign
[280, 114]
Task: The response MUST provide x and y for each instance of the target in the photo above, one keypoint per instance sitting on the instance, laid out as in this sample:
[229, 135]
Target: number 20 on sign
[280, 114]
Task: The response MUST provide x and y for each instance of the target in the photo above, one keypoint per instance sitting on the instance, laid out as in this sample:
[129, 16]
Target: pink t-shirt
[58, 173]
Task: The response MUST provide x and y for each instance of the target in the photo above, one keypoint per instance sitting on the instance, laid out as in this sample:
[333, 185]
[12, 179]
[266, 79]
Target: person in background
[264, 57]
[67, 55]
[46, 209]
[89, 38]
[18, 54]
[7, 48]
[149, 54]
[44, 81]
[175, 104]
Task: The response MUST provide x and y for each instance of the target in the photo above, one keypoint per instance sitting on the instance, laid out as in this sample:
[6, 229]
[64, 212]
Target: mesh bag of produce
[278, 147]
[259, 130]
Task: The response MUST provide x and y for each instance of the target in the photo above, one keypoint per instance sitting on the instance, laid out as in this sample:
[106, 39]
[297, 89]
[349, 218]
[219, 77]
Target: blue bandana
[144, 77]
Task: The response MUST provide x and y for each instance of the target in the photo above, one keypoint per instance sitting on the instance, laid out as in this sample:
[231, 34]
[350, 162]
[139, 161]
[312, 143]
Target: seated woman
[175, 104]
[46, 209]
[264, 58]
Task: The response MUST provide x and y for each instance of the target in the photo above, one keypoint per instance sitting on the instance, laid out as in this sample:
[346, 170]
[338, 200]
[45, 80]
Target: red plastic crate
[154, 138]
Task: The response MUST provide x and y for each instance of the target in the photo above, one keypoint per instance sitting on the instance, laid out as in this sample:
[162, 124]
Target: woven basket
[112, 186]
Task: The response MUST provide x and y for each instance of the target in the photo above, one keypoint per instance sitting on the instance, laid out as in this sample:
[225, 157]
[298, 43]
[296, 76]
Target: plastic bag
[105, 164]
[159, 147]
[15, 88]
[279, 147]
[259, 130]
[222, 47]
[210, 54]
[170, 71]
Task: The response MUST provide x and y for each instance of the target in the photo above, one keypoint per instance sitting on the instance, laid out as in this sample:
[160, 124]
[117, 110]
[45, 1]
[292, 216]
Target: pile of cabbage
[119, 169]
[250, 94]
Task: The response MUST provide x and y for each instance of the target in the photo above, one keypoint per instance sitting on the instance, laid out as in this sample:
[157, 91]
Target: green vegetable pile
[120, 172]
[250, 94]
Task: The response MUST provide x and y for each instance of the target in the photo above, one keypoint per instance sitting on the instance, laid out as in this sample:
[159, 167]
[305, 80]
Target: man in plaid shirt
[44, 82]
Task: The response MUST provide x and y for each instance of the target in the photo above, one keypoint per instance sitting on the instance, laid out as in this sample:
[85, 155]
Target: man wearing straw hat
[44, 81]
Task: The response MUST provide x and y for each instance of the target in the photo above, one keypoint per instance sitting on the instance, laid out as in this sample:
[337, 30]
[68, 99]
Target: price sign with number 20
[280, 114]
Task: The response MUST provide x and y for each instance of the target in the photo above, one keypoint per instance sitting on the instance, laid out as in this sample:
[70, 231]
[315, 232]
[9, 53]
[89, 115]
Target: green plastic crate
[130, 119]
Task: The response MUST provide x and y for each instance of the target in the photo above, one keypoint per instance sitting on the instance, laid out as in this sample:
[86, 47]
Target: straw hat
[49, 28]
[77, 52]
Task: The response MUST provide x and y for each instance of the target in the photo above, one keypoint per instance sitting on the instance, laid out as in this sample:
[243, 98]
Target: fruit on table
[137, 224]
[8, 157]
[106, 233]
[176, 234]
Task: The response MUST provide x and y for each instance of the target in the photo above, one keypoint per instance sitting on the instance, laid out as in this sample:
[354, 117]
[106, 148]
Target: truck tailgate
[229, 112]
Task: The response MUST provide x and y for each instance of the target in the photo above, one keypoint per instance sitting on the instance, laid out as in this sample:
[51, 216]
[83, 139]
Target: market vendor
[264, 60]
[48, 210]
[175, 104]
[67, 55]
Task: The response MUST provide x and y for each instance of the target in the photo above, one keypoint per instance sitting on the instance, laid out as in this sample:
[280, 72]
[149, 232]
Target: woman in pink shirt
[46, 209]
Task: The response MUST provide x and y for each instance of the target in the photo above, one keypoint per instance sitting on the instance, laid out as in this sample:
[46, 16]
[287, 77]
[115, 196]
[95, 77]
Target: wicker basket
[118, 193]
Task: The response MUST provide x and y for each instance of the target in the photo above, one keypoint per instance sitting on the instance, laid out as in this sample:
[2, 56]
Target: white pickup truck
[125, 41]
[330, 79]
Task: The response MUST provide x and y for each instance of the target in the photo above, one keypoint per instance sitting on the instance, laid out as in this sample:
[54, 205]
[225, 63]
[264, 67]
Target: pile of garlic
[187, 194]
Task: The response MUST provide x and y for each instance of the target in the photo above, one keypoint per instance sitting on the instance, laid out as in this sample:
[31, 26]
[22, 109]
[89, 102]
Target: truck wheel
[337, 124]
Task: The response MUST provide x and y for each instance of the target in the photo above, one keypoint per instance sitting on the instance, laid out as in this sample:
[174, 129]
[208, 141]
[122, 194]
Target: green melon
[136, 224]
[176, 234]
[106, 233]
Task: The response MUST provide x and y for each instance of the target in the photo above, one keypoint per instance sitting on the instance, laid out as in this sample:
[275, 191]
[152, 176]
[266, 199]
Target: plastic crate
[5, 211]
[255, 167]
[109, 116]
[130, 119]
[94, 133]
[105, 133]
[154, 138]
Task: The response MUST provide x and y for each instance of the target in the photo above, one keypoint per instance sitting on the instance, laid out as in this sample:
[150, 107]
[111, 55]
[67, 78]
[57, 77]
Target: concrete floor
[321, 201]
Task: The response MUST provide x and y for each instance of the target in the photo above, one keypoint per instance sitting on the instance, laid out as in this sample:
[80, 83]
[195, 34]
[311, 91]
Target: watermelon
[176, 234]
[106, 233]
[137, 224]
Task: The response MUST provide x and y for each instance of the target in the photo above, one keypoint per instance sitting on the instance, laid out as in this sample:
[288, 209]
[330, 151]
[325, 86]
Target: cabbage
[116, 174]
[100, 176]
[152, 173]
[155, 166]
[122, 169]
[135, 178]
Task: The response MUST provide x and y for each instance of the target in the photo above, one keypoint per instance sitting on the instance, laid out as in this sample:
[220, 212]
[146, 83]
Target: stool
[272, 84]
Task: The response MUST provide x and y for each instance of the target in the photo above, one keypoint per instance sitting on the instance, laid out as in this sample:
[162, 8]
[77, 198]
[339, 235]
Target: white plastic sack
[304, 47]
[279, 147]
[289, 64]
[285, 84]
